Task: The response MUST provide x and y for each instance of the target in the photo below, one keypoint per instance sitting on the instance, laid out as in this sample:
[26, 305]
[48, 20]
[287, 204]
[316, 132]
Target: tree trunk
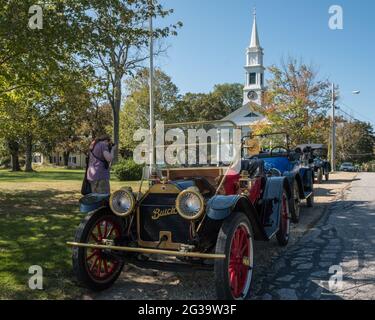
[116, 119]
[29, 154]
[66, 158]
[14, 153]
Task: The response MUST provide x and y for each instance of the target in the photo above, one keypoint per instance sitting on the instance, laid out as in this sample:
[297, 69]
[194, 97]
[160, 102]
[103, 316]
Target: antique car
[191, 216]
[295, 165]
[322, 167]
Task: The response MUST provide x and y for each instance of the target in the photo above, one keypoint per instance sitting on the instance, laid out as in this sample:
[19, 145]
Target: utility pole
[333, 138]
[152, 115]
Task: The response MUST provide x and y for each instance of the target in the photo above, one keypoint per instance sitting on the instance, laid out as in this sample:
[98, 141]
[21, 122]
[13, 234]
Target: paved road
[344, 240]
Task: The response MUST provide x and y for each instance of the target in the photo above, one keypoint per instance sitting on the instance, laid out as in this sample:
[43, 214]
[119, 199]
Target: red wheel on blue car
[284, 222]
[233, 274]
[98, 269]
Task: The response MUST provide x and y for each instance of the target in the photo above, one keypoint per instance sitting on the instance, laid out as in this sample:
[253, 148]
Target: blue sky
[210, 48]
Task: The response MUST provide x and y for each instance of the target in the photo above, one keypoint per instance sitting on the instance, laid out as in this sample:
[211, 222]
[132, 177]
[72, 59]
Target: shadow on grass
[34, 227]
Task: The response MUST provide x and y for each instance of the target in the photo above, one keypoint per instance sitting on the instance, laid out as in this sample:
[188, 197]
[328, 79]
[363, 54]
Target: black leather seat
[252, 166]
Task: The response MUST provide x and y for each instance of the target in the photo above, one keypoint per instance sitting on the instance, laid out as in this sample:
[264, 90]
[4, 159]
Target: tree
[32, 64]
[215, 105]
[296, 102]
[117, 36]
[135, 113]
[355, 142]
[230, 96]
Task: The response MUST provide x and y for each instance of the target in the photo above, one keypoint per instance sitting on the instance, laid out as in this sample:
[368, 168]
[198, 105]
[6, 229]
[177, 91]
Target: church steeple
[254, 85]
[254, 43]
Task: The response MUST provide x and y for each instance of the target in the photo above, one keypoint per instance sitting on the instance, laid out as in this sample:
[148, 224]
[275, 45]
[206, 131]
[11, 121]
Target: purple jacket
[96, 170]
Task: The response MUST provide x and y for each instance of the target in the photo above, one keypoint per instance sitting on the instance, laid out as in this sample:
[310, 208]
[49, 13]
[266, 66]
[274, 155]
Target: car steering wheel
[280, 148]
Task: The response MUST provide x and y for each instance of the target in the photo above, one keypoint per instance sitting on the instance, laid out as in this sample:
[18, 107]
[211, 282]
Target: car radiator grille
[158, 213]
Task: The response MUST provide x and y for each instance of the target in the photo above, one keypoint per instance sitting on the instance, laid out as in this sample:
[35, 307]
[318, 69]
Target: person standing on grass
[100, 159]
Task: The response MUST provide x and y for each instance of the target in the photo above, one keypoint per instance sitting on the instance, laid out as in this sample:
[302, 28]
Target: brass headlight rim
[132, 200]
[196, 192]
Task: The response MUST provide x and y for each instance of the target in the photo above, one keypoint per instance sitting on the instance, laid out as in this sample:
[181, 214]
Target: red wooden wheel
[98, 269]
[239, 262]
[233, 274]
[99, 264]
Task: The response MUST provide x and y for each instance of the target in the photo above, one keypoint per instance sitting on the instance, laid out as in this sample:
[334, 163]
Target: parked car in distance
[348, 167]
[321, 165]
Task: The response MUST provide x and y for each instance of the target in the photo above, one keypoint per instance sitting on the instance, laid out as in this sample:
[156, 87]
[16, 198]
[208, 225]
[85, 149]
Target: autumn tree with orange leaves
[297, 103]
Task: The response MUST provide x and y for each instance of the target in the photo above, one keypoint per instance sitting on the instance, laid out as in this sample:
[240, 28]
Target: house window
[252, 78]
[74, 160]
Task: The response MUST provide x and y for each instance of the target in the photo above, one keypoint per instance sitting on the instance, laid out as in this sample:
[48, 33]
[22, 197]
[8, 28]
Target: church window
[252, 115]
[252, 78]
[261, 79]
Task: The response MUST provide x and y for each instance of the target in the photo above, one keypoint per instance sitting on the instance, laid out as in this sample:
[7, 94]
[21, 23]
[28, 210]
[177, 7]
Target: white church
[254, 87]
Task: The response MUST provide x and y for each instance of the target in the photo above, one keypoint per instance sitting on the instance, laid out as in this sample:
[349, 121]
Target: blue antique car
[297, 166]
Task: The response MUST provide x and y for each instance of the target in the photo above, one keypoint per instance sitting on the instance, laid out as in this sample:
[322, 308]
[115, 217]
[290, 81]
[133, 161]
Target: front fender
[93, 202]
[272, 203]
[221, 207]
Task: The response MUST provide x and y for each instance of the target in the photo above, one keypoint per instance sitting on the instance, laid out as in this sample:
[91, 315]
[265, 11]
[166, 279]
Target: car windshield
[197, 145]
[347, 164]
[270, 142]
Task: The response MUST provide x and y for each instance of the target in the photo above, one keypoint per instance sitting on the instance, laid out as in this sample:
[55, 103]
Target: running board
[168, 266]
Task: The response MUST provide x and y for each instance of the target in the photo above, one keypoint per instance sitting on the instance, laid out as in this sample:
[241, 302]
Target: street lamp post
[152, 116]
[333, 138]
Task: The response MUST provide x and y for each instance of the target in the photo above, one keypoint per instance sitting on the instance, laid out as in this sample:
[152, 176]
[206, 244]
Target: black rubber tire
[282, 235]
[223, 245]
[319, 177]
[310, 201]
[295, 208]
[79, 254]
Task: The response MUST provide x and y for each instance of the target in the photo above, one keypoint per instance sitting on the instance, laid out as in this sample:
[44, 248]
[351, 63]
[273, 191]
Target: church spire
[254, 85]
[254, 43]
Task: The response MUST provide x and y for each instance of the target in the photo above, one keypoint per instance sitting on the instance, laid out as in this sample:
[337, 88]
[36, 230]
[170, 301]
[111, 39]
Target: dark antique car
[321, 165]
[191, 217]
[295, 165]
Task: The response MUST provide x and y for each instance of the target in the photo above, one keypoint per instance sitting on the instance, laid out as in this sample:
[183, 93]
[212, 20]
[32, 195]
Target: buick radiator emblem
[158, 213]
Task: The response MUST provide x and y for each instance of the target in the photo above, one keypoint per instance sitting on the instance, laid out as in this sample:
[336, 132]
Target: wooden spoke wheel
[295, 207]
[284, 222]
[98, 269]
[233, 274]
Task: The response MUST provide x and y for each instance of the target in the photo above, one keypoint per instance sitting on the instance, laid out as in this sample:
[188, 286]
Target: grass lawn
[38, 214]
